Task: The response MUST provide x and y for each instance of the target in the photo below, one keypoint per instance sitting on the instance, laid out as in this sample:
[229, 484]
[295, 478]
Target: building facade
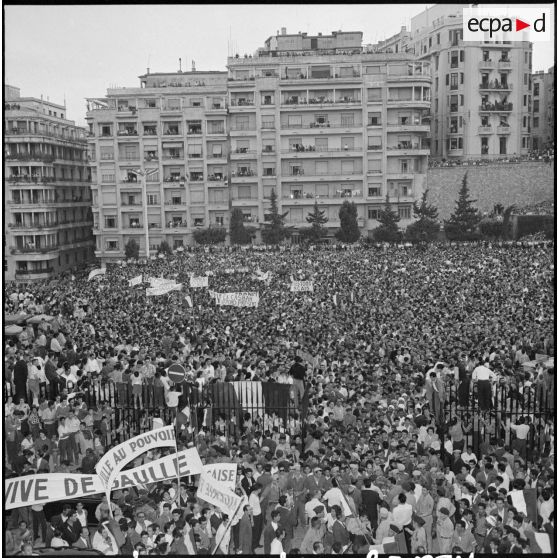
[47, 216]
[544, 115]
[158, 156]
[320, 119]
[481, 92]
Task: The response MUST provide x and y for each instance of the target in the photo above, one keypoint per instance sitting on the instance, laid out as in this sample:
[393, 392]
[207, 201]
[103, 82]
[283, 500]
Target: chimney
[180, 65]
[283, 30]
[147, 71]
[193, 65]
[319, 34]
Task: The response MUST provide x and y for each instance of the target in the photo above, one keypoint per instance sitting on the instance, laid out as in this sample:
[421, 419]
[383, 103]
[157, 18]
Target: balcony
[418, 103]
[301, 175]
[241, 103]
[487, 65]
[410, 77]
[173, 157]
[34, 250]
[496, 107]
[127, 133]
[175, 203]
[485, 130]
[406, 148]
[495, 86]
[314, 127]
[249, 175]
[172, 132]
[313, 151]
[243, 153]
[33, 273]
[503, 130]
[504, 64]
[417, 127]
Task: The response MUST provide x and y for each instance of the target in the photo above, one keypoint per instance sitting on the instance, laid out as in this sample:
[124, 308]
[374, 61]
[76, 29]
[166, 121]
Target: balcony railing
[167, 157]
[174, 179]
[35, 250]
[241, 174]
[307, 125]
[503, 130]
[30, 157]
[496, 107]
[495, 86]
[214, 178]
[243, 127]
[195, 132]
[317, 149]
[242, 103]
[171, 133]
[127, 132]
[34, 271]
[329, 173]
[485, 129]
[244, 150]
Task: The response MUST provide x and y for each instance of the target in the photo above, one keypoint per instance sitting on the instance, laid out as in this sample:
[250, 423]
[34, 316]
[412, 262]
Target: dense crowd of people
[544, 155]
[390, 340]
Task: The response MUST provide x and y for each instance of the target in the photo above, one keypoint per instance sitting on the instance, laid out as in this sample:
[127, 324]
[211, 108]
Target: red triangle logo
[519, 25]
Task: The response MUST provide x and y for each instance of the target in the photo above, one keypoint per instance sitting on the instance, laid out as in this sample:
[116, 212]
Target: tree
[388, 231]
[239, 234]
[131, 250]
[317, 220]
[274, 231]
[497, 224]
[349, 231]
[426, 226]
[212, 235]
[164, 248]
[462, 223]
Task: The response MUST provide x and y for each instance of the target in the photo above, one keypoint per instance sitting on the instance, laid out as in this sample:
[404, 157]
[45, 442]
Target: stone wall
[510, 183]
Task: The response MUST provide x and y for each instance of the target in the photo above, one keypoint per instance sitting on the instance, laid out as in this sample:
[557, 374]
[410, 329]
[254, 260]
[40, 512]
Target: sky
[70, 52]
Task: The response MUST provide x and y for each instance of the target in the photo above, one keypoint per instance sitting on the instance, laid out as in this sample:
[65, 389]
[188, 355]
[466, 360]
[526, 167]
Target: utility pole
[143, 174]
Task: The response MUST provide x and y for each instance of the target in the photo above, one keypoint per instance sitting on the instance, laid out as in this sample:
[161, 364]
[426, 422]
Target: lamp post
[144, 174]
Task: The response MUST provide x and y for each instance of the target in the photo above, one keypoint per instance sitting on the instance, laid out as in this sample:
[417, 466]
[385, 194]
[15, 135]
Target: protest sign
[176, 373]
[218, 494]
[237, 299]
[160, 281]
[163, 289]
[199, 282]
[307, 357]
[224, 473]
[96, 273]
[135, 281]
[302, 286]
[112, 462]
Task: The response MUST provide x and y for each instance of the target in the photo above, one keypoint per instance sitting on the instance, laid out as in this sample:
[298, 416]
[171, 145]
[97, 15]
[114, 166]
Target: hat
[416, 473]
[384, 513]
[318, 509]
[445, 511]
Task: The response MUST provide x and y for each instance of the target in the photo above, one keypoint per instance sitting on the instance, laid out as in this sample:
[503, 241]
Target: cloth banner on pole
[302, 286]
[224, 473]
[218, 495]
[163, 289]
[237, 299]
[96, 273]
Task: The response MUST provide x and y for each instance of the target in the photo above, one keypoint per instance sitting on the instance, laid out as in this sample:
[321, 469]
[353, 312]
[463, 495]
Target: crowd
[546, 156]
[367, 457]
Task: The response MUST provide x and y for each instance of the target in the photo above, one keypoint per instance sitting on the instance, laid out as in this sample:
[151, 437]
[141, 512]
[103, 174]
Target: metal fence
[511, 400]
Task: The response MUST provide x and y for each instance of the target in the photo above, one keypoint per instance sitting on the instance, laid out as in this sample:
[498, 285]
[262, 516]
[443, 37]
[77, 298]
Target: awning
[172, 145]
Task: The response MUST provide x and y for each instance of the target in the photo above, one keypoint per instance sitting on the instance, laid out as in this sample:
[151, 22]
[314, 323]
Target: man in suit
[287, 520]
[84, 540]
[57, 522]
[247, 481]
[370, 502]
[245, 531]
[269, 531]
[338, 529]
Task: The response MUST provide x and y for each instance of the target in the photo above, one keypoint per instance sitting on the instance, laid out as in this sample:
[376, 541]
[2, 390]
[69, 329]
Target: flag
[335, 299]
[189, 301]
[352, 296]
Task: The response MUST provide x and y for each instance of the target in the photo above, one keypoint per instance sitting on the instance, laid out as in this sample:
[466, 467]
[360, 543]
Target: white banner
[135, 281]
[219, 495]
[111, 463]
[300, 286]
[52, 487]
[237, 299]
[223, 473]
[96, 273]
[160, 281]
[163, 289]
[198, 282]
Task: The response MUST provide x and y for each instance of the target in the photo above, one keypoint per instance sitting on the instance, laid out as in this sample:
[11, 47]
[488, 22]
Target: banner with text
[218, 494]
[160, 281]
[199, 282]
[237, 299]
[52, 487]
[135, 281]
[112, 462]
[163, 289]
[223, 473]
[302, 286]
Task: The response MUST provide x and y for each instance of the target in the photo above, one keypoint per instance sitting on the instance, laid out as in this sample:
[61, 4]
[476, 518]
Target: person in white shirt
[277, 542]
[403, 512]
[484, 378]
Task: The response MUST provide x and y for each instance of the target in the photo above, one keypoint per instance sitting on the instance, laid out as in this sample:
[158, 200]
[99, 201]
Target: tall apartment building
[158, 157]
[318, 118]
[481, 92]
[544, 115]
[47, 216]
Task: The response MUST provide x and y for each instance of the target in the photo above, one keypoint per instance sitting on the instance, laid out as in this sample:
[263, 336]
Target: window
[374, 191]
[268, 121]
[152, 199]
[321, 167]
[374, 165]
[453, 81]
[536, 86]
[456, 143]
[374, 143]
[536, 122]
[430, 42]
[111, 245]
[347, 167]
[295, 121]
[196, 102]
[447, 79]
[453, 103]
[215, 127]
[374, 119]
[438, 38]
[269, 170]
[503, 145]
[177, 243]
[536, 105]
[110, 222]
[106, 130]
[461, 77]
[373, 213]
[322, 144]
[405, 212]
[107, 178]
[107, 153]
[152, 177]
[347, 119]
[244, 192]
[404, 165]
[321, 120]
[267, 99]
[374, 95]
[462, 56]
[454, 59]
[194, 151]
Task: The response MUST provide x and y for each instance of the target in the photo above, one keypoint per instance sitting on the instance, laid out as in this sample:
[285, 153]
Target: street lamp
[144, 174]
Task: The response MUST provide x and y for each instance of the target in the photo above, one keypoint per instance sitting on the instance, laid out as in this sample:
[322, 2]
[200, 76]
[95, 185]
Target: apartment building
[320, 118]
[543, 115]
[158, 156]
[481, 92]
[47, 216]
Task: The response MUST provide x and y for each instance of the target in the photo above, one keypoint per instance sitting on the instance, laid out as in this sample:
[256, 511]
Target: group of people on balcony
[174, 178]
[494, 84]
[243, 171]
[503, 105]
[127, 132]
[175, 223]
